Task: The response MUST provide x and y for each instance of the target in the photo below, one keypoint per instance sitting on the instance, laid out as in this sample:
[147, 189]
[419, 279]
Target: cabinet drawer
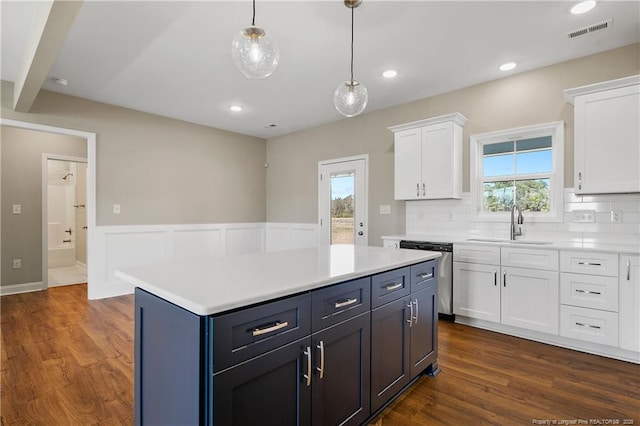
[389, 286]
[589, 291]
[529, 258]
[241, 335]
[484, 254]
[340, 302]
[590, 325]
[423, 275]
[589, 263]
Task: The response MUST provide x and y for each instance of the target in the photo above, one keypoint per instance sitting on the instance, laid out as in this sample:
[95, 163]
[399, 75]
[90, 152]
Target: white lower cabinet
[590, 325]
[629, 316]
[529, 299]
[476, 292]
[520, 297]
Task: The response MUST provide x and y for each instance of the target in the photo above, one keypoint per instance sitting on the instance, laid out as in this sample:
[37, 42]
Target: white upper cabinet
[428, 158]
[607, 136]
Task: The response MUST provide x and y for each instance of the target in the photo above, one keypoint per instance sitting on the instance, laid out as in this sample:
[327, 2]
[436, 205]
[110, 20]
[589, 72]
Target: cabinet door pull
[393, 286]
[417, 189]
[597, 327]
[587, 291]
[275, 327]
[415, 318]
[426, 276]
[321, 368]
[344, 303]
[424, 189]
[628, 270]
[589, 263]
[495, 278]
[307, 376]
[410, 320]
[504, 278]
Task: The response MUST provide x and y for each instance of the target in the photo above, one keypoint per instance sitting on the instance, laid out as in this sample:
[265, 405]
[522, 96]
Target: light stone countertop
[521, 243]
[215, 285]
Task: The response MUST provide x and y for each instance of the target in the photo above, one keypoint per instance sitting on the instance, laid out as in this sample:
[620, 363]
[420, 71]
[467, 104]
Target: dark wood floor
[69, 361]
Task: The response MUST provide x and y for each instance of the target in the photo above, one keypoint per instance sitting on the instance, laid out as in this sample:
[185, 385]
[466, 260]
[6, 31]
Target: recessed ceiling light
[508, 66]
[583, 7]
[60, 81]
[390, 73]
[235, 108]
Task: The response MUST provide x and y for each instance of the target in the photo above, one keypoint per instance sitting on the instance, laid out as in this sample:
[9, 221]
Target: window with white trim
[522, 166]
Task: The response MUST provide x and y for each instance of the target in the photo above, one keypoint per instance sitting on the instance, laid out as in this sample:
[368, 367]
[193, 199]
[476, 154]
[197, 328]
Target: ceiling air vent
[591, 29]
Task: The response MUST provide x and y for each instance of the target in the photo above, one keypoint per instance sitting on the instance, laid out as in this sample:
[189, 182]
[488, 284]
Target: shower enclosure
[66, 222]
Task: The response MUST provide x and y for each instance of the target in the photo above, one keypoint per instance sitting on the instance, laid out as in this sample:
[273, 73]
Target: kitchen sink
[495, 240]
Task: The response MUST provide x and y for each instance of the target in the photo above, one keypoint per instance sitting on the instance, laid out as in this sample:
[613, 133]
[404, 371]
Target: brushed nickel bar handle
[393, 286]
[504, 278]
[588, 325]
[628, 270]
[417, 314]
[587, 291]
[495, 278]
[345, 303]
[277, 326]
[321, 368]
[425, 276]
[590, 263]
[410, 320]
[307, 376]
[417, 189]
[424, 189]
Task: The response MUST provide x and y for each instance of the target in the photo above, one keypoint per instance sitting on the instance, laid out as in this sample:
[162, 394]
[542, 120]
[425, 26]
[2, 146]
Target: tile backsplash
[453, 217]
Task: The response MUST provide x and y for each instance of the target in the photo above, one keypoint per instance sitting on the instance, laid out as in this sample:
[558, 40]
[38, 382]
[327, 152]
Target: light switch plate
[17, 263]
[116, 209]
[16, 209]
[583, 216]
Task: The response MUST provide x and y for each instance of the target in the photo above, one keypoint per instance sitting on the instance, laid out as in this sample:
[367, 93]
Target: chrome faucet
[520, 221]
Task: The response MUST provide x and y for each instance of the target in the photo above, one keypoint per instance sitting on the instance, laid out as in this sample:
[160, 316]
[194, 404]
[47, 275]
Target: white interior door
[342, 201]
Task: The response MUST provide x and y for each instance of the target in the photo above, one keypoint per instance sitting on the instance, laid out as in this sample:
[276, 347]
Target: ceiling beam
[47, 44]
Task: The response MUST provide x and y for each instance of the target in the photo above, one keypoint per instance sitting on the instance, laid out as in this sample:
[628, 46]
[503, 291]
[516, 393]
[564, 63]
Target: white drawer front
[476, 254]
[590, 325]
[589, 263]
[530, 258]
[589, 291]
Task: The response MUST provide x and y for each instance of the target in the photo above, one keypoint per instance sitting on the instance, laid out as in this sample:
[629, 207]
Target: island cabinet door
[340, 394]
[390, 356]
[424, 329]
[273, 389]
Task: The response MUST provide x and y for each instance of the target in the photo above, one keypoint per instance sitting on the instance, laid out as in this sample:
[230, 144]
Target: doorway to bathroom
[65, 208]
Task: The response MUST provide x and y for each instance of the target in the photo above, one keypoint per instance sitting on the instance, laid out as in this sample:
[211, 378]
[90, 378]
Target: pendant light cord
[253, 18]
[351, 45]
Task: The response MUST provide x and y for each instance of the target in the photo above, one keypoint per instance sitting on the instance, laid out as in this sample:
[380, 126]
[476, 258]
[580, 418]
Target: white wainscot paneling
[124, 246]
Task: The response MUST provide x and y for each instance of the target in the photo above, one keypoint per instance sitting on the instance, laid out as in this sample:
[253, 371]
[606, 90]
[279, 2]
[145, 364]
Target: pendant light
[350, 98]
[253, 51]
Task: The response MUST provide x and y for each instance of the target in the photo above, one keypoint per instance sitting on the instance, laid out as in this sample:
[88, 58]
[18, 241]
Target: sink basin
[495, 240]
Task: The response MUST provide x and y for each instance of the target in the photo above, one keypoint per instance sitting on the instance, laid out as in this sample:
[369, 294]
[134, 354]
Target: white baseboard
[6, 290]
[81, 266]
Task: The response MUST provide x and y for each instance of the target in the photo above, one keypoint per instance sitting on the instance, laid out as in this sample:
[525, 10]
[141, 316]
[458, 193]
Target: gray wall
[160, 170]
[21, 183]
[519, 100]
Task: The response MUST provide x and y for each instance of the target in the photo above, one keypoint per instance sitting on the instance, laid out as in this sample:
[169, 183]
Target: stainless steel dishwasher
[445, 274]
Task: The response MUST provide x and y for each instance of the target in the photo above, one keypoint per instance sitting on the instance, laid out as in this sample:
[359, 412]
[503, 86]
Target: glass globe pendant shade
[350, 98]
[255, 53]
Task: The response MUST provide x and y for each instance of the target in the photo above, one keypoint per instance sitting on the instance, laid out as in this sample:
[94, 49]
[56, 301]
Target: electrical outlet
[420, 215]
[616, 216]
[16, 209]
[17, 263]
[116, 209]
[385, 209]
[583, 216]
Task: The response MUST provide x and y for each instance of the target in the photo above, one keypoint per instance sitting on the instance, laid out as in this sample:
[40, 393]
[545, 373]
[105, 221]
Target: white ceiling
[173, 58]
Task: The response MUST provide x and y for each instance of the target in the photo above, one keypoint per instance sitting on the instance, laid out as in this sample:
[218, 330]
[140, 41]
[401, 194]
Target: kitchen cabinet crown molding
[570, 94]
[456, 117]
